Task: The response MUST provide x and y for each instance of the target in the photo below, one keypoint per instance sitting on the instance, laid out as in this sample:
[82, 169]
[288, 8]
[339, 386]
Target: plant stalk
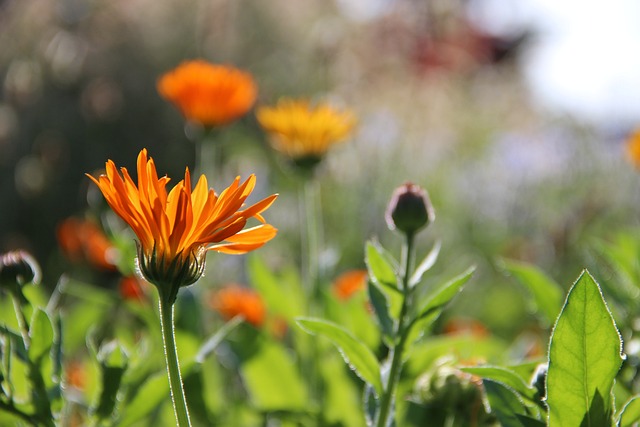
[402, 331]
[173, 367]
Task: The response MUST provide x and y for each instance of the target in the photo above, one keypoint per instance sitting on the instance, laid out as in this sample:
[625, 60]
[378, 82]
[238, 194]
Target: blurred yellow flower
[633, 148]
[209, 94]
[301, 130]
[176, 229]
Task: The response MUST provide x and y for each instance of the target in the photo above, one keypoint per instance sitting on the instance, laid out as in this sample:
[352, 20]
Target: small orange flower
[301, 130]
[633, 148]
[175, 229]
[235, 300]
[461, 326]
[80, 239]
[350, 282]
[209, 94]
[76, 375]
[131, 289]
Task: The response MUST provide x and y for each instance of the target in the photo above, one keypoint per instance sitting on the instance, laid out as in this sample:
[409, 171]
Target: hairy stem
[402, 332]
[173, 367]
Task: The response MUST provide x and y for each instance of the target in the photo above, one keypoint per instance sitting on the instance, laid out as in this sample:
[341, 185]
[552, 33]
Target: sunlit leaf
[426, 264]
[630, 413]
[210, 345]
[505, 403]
[355, 353]
[41, 335]
[272, 379]
[381, 309]
[505, 376]
[547, 294]
[584, 358]
[113, 364]
[380, 267]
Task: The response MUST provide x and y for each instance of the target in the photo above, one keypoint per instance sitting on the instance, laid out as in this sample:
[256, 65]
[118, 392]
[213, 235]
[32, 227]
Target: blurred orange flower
[633, 148]
[83, 240]
[236, 300]
[76, 375]
[302, 130]
[350, 282]
[461, 326]
[176, 229]
[209, 94]
[131, 289]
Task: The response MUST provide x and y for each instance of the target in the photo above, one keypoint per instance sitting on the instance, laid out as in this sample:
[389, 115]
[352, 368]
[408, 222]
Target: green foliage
[546, 294]
[355, 353]
[584, 357]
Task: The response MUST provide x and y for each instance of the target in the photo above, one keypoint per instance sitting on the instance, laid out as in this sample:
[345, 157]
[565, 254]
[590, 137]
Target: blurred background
[513, 114]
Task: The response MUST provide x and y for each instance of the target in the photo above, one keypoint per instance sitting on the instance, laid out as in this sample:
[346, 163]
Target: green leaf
[147, 399]
[437, 300]
[630, 413]
[547, 294]
[426, 264]
[381, 309]
[356, 354]
[213, 342]
[113, 364]
[584, 358]
[282, 293]
[41, 334]
[505, 376]
[435, 303]
[272, 379]
[380, 267]
[505, 403]
[530, 422]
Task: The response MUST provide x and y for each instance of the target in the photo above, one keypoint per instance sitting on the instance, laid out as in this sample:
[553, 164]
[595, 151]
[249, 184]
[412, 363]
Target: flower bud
[409, 209]
[18, 268]
[170, 274]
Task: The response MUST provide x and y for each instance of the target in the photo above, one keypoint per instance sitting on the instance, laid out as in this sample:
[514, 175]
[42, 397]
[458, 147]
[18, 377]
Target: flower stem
[312, 237]
[173, 368]
[402, 332]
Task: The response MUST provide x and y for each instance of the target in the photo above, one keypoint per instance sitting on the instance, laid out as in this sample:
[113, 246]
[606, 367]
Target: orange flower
[301, 130]
[131, 288]
[349, 283]
[633, 148]
[235, 300]
[209, 94]
[81, 239]
[76, 375]
[176, 229]
[460, 326]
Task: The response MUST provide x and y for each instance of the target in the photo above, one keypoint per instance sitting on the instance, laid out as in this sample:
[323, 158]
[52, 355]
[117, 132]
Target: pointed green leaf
[547, 294]
[282, 293]
[380, 267]
[630, 413]
[355, 353]
[41, 334]
[381, 309]
[437, 300]
[152, 394]
[213, 342]
[584, 358]
[113, 364]
[272, 379]
[426, 264]
[505, 403]
[435, 303]
[505, 376]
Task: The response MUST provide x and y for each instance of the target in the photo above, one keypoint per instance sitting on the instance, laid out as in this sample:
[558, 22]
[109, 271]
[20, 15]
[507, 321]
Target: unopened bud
[18, 268]
[409, 209]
